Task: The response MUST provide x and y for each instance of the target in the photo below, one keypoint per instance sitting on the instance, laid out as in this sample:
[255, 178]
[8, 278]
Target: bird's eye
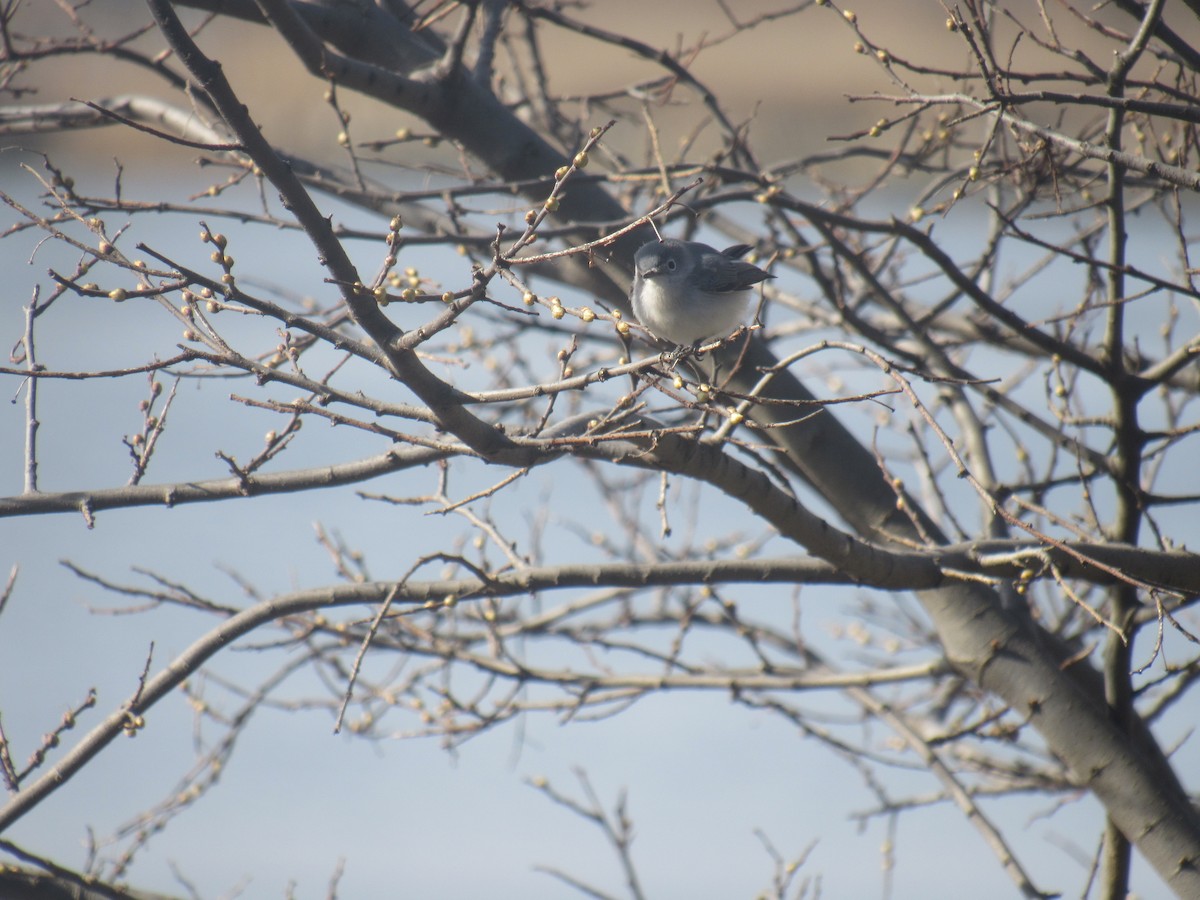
[671, 264]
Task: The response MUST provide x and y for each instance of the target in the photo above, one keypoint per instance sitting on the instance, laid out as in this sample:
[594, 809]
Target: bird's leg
[671, 358]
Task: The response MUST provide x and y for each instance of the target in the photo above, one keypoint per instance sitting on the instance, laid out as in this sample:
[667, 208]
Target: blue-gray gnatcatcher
[685, 292]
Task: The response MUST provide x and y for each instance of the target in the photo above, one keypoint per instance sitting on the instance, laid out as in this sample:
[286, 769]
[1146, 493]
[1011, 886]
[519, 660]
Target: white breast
[700, 316]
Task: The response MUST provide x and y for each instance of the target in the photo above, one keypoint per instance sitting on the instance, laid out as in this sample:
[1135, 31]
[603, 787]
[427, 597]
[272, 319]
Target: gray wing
[728, 274]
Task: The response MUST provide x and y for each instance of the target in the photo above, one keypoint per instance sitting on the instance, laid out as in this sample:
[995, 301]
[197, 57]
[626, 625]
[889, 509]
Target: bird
[686, 292]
